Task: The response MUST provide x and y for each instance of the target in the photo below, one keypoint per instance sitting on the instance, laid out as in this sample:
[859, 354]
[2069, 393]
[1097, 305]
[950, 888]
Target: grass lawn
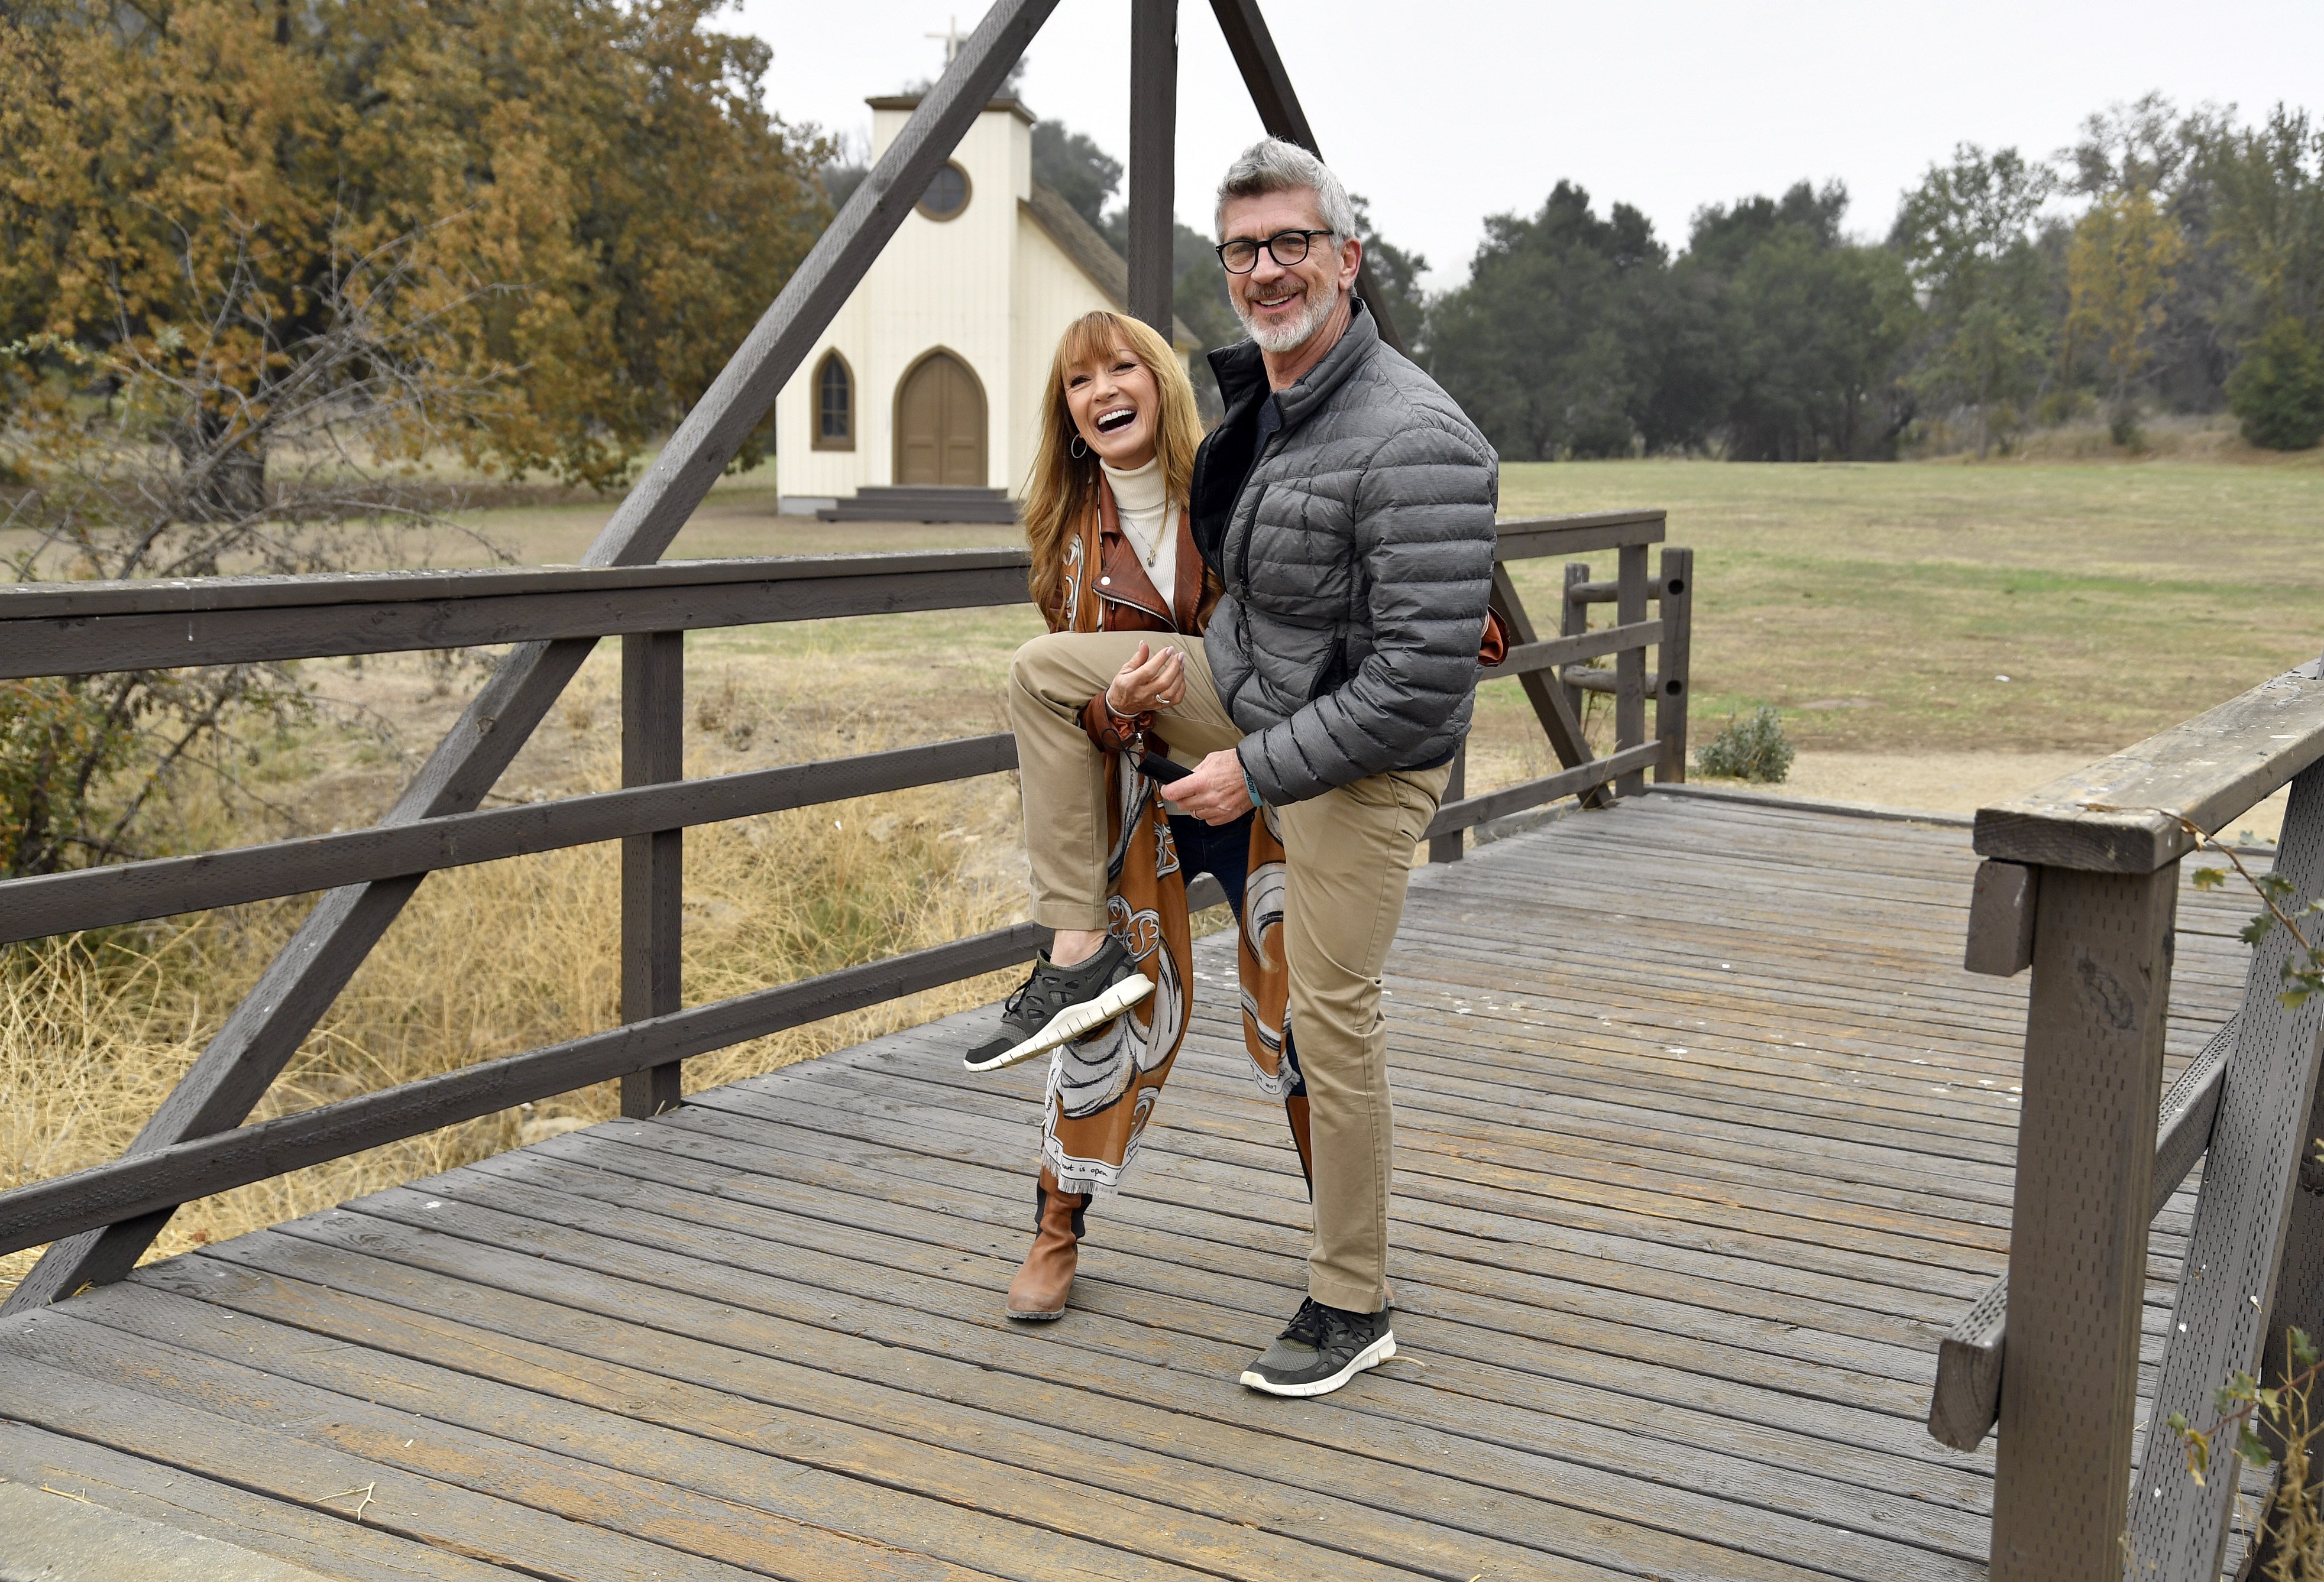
[2116, 599]
[1877, 606]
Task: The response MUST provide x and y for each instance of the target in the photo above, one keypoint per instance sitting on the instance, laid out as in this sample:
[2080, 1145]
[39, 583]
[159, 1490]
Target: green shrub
[2278, 388]
[1751, 747]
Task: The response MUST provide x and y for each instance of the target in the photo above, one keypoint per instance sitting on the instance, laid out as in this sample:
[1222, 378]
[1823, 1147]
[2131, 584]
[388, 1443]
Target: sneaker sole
[1371, 1356]
[1070, 1023]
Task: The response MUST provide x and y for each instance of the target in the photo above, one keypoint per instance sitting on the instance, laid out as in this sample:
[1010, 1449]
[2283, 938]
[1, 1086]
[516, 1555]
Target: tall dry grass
[489, 960]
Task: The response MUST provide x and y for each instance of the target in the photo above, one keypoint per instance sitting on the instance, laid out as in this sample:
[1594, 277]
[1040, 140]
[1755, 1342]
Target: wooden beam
[1509, 800]
[1572, 622]
[1675, 590]
[1558, 721]
[1551, 652]
[77, 628]
[1532, 537]
[1630, 666]
[129, 892]
[1583, 590]
[653, 894]
[266, 620]
[1271, 93]
[2001, 906]
[1967, 1396]
[302, 980]
[2260, 1146]
[2121, 815]
[150, 1182]
[1153, 156]
[2093, 1078]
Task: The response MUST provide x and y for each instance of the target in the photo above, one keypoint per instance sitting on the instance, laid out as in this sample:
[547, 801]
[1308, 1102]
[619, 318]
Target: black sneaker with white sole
[1324, 1348]
[1059, 1004]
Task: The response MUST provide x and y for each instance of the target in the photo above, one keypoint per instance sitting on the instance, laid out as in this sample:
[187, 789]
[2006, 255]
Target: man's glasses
[1285, 247]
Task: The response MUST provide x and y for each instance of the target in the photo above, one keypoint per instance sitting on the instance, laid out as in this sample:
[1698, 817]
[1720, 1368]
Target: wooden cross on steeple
[951, 37]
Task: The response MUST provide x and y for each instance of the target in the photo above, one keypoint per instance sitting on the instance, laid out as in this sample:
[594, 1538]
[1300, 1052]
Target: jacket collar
[1242, 370]
[1128, 582]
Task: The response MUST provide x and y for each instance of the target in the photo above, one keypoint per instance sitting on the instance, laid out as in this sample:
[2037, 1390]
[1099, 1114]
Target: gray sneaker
[1059, 1004]
[1322, 1349]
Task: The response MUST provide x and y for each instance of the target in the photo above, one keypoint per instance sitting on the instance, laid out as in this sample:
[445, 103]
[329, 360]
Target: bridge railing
[81, 629]
[2081, 883]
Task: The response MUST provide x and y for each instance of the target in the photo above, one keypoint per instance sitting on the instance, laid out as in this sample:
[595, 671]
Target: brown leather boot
[1039, 1292]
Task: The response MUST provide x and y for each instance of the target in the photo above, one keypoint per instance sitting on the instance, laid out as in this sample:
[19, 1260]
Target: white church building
[931, 377]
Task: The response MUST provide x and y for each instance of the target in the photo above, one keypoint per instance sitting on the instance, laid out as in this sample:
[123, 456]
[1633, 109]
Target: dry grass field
[1879, 607]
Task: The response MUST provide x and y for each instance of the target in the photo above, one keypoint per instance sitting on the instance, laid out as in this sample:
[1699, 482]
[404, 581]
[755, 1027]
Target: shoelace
[1053, 997]
[1308, 1324]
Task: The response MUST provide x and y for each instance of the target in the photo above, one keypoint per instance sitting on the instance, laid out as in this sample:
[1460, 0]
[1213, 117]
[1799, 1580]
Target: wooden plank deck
[1705, 1140]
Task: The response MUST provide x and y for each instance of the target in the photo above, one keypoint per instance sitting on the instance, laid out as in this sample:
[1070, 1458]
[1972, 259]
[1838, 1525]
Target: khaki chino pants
[1349, 856]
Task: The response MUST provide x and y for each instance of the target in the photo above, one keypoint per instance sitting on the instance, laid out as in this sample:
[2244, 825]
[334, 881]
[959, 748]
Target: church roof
[1093, 254]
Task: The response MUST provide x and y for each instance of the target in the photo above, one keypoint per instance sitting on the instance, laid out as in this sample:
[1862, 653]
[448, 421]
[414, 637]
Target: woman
[1112, 551]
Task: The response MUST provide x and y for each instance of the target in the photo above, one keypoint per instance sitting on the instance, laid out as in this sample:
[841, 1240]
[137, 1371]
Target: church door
[940, 425]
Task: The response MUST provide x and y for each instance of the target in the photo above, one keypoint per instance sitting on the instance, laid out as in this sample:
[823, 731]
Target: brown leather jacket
[1127, 601]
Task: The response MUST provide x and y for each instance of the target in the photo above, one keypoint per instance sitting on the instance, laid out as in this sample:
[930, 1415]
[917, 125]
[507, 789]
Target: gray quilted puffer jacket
[1357, 551]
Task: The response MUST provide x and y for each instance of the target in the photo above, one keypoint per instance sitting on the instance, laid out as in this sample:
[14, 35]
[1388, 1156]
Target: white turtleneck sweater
[1151, 522]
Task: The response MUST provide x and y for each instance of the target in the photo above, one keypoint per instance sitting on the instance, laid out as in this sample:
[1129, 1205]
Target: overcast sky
[1442, 113]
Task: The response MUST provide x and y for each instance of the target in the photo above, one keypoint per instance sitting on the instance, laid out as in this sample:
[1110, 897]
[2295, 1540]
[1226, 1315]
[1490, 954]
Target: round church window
[947, 193]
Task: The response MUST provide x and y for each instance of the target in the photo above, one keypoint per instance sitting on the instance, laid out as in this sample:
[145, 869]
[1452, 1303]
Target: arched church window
[834, 405]
[947, 193]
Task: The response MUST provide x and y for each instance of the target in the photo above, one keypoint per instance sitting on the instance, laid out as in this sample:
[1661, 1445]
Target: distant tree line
[2167, 261]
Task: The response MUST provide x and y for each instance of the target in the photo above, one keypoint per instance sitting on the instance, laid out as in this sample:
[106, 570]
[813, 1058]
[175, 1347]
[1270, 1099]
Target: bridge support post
[2093, 1079]
[1153, 154]
[1671, 659]
[1630, 666]
[653, 750]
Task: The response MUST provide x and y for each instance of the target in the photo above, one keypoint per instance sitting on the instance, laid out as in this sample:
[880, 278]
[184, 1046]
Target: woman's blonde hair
[1063, 485]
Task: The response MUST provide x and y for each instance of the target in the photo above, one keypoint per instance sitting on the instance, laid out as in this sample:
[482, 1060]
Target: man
[1347, 504]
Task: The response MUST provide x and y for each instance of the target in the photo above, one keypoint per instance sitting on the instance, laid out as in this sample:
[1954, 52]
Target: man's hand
[1213, 790]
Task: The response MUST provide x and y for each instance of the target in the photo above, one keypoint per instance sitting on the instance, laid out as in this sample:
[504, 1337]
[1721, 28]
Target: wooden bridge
[1716, 1253]
[1706, 1140]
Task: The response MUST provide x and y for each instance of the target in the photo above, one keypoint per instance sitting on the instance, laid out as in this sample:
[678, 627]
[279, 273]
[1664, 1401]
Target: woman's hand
[1148, 680]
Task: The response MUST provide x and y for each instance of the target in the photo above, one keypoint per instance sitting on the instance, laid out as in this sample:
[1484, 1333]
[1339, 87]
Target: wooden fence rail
[2080, 884]
[78, 628]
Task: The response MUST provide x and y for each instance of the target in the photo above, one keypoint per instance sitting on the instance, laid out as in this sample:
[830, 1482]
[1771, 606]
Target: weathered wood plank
[1674, 661]
[1003, 1452]
[2261, 1141]
[2001, 919]
[1476, 810]
[1967, 1398]
[1551, 652]
[130, 892]
[1121, 1322]
[679, 1458]
[653, 862]
[1631, 680]
[1173, 1411]
[173, 1497]
[2077, 1248]
[136, 1185]
[2121, 815]
[556, 604]
[288, 1466]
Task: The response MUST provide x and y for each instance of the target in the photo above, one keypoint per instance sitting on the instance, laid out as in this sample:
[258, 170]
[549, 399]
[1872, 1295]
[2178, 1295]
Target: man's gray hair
[1273, 165]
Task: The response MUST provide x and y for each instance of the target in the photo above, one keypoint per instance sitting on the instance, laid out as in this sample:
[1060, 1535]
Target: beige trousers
[1348, 858]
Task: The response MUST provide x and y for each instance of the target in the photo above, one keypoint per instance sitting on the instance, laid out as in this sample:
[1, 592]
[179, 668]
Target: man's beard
[1290, 337]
